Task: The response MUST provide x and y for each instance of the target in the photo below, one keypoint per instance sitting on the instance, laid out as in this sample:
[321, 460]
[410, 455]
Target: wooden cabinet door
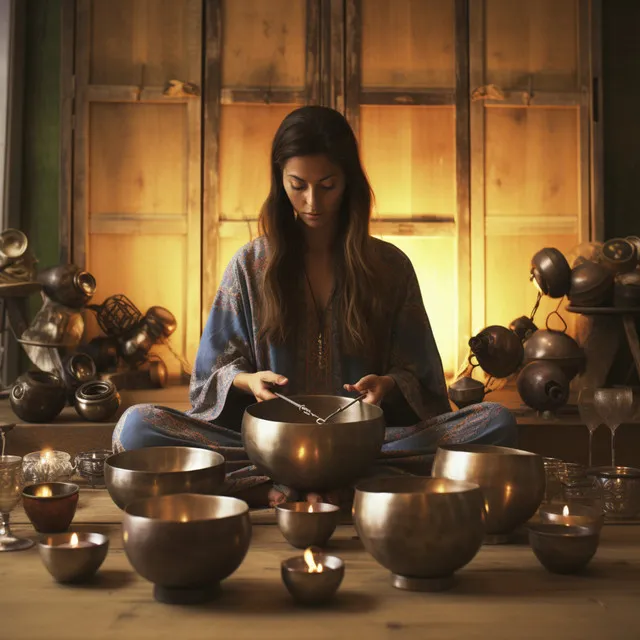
[263, 61]
[137, 170]
[530, 140]
[407, 104]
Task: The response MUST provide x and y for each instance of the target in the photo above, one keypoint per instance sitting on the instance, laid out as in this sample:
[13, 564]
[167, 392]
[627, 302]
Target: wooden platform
[502, 593]
[563, 436]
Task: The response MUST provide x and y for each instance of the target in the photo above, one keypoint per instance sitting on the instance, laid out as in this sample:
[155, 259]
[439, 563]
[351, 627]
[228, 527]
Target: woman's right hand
[260, 383]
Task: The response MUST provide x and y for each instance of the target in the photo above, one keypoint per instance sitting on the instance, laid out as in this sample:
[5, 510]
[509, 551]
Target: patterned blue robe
[417, 412]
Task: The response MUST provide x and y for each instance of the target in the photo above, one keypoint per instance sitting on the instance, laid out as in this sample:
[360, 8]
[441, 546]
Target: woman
[316, 305]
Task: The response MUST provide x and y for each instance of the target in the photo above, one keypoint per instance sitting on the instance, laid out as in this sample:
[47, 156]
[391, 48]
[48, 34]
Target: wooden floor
[502, 593]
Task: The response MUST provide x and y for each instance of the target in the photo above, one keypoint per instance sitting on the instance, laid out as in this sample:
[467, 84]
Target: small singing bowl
[304, 524]
[68, 562]
[577, 515]
[312, 588]
[50, 505]
[561, 548]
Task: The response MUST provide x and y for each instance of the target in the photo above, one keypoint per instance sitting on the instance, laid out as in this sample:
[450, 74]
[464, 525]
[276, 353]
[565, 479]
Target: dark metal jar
[543, 385]
[97, 401]
[498, 350]
[68, 285]
[38, 396]
[77, 369]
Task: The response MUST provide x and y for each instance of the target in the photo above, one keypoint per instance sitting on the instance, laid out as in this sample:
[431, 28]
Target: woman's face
[315, 187]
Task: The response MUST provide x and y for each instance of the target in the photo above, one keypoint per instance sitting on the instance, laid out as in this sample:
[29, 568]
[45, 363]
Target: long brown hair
[315, 130]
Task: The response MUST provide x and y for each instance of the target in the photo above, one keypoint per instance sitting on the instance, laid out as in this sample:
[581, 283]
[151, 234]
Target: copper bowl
[157, 471]
[563, 549]
[50, 506]
[511, 480]
[304, 524]
[293, 450]
[312, 588]
[71, 565]
[186, 544]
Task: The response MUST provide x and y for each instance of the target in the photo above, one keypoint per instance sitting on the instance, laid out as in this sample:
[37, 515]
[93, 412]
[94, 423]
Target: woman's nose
[312, 199]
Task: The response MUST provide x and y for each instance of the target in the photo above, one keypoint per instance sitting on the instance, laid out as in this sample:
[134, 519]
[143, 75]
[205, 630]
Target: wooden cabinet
[473, 116]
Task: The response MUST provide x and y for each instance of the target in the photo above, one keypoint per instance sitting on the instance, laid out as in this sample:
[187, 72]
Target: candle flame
[311, 563]
[310, 508]
[565, 510]
[46, 454]
[44, 492]
[74, 540]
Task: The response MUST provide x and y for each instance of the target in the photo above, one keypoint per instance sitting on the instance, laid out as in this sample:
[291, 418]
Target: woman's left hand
[376, 387]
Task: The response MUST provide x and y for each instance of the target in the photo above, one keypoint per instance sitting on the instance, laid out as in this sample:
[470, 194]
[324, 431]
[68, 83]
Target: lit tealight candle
[312, 579]
[576, 515]
[75, 543]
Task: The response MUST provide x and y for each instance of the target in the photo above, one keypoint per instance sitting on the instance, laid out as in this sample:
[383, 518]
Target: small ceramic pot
[97, 401]
[38, 396]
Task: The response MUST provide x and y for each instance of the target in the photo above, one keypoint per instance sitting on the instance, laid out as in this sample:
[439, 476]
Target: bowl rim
[290, 507]
[220, 460]
[618, 472]
[551, 530]
[244, 508]
[75, 489]
[487, 449]
[96, 538]
[464, 486]
[298, 397]
[293, 564]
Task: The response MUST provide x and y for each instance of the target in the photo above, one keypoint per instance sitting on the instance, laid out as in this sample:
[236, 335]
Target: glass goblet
[590, 416]
[11, 481]
[615, 406]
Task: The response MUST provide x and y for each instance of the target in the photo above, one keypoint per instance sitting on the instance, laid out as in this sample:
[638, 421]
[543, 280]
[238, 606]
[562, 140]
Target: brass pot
[543, 386]
[466, 391]
[68, 285]
[77, 369]
[498, 350]
[38, 396]
[551, 271]
[13, 245]
[97, 401]
[556, 347]
[591, 285]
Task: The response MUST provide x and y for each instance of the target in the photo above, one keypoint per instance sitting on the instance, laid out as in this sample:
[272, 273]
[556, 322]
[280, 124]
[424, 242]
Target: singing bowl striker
[420, 529]
[158, 471]
[293, 450]
[186, 544]
[512, 481]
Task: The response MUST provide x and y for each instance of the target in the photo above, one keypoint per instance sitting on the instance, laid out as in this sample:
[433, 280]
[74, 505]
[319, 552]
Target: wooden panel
[138, 158]
[408, 43]
[149, 270]
[532, 162]
[229, 244]
[246, 133]
[533, 42]
[263, 43]
[509, 292]
[434, 260]
[145, 42]
[409, 155]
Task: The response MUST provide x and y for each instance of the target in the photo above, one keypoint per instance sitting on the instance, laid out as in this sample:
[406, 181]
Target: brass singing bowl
[512, 481]
[420, 529]
[158, 471]
[186, 544]
[293, 450]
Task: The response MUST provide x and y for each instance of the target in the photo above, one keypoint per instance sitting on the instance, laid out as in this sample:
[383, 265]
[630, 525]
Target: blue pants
[406, 449]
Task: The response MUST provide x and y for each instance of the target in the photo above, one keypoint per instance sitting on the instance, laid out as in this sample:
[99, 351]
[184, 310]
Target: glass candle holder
[47, 466]
[90, 465]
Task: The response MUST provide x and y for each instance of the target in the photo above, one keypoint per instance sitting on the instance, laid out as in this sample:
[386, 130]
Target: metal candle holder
[312, 580]
[50, 506]
[304, 524]
[576, 515]
[561, 548]
[73, 557]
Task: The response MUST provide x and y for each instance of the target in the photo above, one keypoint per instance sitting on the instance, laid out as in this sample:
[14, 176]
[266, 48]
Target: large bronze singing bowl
[293, 450]
[186, 543]
[511, 480]
[421, 529]
[158, 471]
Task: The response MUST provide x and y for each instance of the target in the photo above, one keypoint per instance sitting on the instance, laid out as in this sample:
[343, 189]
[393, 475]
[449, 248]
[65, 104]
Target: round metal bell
[543, 386]
[551, 272]
[38, 396]
[498, 350]
[524, 327]
[556, 347]
[591, 285]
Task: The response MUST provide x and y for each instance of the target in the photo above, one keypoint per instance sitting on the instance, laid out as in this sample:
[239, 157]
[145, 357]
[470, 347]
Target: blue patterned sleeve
[226, 346]
[415, 362]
